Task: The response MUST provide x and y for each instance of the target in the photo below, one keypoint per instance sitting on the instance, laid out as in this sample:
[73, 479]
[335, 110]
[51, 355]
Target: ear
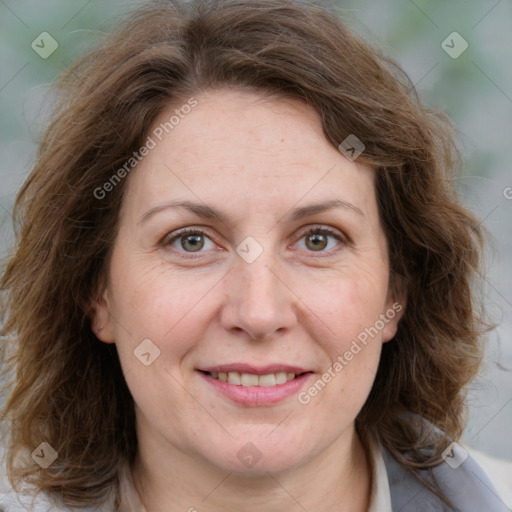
[395, 309]
[101, 318]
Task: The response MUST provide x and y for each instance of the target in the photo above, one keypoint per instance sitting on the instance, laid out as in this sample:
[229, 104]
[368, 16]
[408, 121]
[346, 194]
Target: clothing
[393, 490]
[467, 486]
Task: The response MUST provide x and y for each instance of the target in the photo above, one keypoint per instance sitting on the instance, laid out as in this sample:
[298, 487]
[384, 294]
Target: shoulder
[460, 477]
[499, 472]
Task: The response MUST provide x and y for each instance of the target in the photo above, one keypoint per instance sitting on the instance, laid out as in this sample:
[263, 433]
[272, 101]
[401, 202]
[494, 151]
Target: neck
[335, 480]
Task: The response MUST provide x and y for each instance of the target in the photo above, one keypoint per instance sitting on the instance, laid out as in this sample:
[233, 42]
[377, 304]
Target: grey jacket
[467, 486]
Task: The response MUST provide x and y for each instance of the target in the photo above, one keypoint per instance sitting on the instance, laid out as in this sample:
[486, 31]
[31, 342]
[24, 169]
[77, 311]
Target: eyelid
[170, 238]
[327, 229]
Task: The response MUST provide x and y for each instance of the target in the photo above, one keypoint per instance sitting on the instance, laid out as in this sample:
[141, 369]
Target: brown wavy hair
[67, 388]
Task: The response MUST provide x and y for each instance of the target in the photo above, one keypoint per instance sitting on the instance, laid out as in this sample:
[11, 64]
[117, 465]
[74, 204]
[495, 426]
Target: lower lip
[257, 395]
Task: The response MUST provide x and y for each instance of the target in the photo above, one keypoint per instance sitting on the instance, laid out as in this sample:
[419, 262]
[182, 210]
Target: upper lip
[255, 370]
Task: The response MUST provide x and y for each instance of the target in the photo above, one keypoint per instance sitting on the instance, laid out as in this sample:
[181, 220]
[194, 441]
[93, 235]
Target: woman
[242, 279]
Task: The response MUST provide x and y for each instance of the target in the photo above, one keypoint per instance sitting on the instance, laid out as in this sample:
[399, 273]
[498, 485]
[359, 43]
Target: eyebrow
[209, 212]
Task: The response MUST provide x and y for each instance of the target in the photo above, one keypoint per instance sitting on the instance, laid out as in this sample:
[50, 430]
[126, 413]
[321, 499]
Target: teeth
[249, 379]
[234, 378]
[267, 380]
[281, 377]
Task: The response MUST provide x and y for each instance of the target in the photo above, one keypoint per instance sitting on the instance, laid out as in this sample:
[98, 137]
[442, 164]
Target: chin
[258, 457]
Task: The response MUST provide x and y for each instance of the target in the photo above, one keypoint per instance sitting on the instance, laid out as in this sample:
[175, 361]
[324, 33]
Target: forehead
[242, 146]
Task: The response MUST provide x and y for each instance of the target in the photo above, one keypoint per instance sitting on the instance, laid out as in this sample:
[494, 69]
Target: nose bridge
[261, 281]
[259, 301]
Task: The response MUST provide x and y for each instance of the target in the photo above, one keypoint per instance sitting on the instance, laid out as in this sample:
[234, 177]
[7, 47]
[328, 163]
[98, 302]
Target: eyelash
[197, 231]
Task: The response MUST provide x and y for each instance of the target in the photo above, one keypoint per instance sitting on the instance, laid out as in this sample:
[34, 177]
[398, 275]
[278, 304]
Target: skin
[255, 157]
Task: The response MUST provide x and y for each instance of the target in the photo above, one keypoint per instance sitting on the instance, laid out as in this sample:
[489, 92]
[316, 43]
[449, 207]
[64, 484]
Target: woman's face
[252, 293]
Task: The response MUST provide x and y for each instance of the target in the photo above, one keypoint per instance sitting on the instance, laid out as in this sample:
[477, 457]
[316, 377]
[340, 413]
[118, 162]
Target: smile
[255, 390]
[251, 379]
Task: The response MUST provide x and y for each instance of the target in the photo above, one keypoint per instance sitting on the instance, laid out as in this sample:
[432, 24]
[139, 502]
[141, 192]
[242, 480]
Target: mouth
[256, 386]
[254, 379]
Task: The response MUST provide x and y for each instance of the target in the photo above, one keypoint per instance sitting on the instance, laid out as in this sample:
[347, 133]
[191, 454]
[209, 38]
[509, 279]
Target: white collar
[380, 495]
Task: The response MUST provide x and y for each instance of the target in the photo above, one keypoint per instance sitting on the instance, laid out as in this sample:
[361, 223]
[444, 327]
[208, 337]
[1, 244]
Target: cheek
[346, 306]
[154, 302]
[342, 322]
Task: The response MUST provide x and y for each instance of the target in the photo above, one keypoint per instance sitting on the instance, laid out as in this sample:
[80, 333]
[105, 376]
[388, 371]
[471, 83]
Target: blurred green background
[475, 89]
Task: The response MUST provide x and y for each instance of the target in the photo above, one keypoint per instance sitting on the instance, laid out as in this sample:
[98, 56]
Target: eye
[193, 240]
[317, 239]
[188, 240]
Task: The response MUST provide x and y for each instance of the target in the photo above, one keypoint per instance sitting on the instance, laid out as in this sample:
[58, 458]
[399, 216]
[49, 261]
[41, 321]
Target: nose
[259, 299]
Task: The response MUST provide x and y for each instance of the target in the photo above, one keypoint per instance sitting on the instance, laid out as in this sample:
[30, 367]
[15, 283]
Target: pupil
[318, 241]
[196, 244]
